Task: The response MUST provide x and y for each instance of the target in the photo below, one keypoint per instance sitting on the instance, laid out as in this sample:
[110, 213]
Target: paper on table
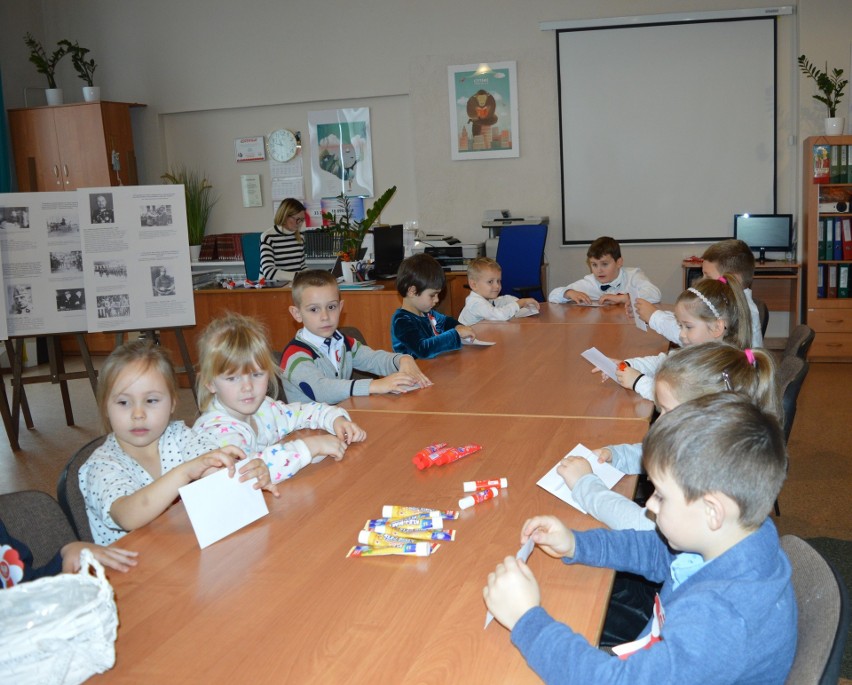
[555, 485]
[594, 303]
[218, 505]
[599, 360]
[476, 341]
[641, 325]
[526, 311]
[523, 554]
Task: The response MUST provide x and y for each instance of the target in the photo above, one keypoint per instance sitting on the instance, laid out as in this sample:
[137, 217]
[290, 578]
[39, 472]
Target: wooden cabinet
[828, 308]
[72, 146]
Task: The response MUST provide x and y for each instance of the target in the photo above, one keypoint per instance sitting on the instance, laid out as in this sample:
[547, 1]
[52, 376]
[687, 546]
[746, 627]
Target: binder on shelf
[847, 238]
[844, 164]
[834, 164]
[821, 167]
[821, 231]
[820, 281]
[843, 280]
[837, 252]
[849, 168]
[831, 290]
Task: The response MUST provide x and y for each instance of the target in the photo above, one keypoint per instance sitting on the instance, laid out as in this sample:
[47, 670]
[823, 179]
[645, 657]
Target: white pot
[194, 252]
[349, 269]
[834, 126]
[92, 93]
[54, 96]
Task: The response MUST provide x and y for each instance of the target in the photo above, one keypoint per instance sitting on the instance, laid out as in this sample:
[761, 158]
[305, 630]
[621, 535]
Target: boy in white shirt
[610, 282]
[484, 276]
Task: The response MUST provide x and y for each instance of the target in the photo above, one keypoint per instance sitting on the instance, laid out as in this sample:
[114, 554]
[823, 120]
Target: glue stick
[474, 485]
[478, 497]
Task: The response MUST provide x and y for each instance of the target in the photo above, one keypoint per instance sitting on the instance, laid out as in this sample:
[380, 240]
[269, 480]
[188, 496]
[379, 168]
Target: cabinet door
[82, 148]
[36, 150]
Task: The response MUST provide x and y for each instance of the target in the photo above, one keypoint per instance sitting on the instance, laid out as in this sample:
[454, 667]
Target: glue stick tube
[428, 454]
[387, 539]
[396, 511]
[443, 535]
[429, 521]
[474, 485]
[414, 549]
[445, 456]
[478, 497]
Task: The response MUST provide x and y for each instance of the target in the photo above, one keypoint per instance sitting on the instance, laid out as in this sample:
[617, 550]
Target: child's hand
[206, 464]
[322, 446]
[549, 533]
[111, 557]
[348, 431]
[627, 377]
[511, 591]
[529, 303]
[577, 296]
[409, 366]
[643, 309]
[573, 469]
[396, 382]
[614, 298]
[256, 468]
[604, 455]
[466, 332]
[604, 377]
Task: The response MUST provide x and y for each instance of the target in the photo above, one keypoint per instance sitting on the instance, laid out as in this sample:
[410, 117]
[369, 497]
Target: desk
[574, 314]
[278, 602]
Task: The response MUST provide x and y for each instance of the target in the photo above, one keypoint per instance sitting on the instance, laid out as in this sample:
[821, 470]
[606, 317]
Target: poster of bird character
[484, 111]
[341, 153]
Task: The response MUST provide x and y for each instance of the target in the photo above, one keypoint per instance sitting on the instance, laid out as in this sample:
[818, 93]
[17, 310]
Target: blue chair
[520, 253]
[251, 255]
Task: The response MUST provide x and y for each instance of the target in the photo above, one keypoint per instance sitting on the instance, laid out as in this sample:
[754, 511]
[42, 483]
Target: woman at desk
[282, 251]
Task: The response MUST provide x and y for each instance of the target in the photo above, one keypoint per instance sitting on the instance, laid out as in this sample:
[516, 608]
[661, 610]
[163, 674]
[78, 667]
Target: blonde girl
[282, 251]
[236, 385]
[710, 310]
[134, 476]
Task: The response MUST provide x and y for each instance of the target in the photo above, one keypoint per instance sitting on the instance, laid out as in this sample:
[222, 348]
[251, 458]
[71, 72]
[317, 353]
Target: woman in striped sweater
[282, 251]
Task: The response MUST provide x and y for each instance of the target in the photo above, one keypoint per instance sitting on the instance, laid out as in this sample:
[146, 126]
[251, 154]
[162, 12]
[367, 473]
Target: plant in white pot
[85, 69]
[47, 66]
[831, 91]
[200, 199]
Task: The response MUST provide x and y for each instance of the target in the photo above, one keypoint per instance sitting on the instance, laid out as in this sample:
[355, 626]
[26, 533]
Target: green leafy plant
[831, 86]
[44, 64]
[200, 199]
[350, 232]
[85, 68]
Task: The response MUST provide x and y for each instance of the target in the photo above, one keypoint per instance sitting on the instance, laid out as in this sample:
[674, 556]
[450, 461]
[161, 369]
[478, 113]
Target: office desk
[278, 602]
[532, 370]
[574, 313]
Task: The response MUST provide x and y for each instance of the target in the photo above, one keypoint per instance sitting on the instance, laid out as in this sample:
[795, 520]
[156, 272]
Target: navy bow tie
[606, 286]
[327, 343]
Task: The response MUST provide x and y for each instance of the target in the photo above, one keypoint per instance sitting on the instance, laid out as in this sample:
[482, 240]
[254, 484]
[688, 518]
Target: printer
[451, 253]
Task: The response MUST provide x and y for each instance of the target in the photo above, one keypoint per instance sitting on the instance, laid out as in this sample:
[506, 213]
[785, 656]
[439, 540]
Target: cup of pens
[351, 271]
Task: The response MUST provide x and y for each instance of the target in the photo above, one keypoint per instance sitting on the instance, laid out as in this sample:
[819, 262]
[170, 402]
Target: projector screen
[667, 130]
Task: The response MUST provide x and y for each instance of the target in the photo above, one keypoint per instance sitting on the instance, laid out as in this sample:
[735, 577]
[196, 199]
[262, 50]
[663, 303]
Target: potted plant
[831, 89]
[199, 202]
[85, 69]
[348, 231]
[47, 66]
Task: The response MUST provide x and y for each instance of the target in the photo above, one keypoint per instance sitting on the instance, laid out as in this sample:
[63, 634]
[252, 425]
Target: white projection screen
[667, 130]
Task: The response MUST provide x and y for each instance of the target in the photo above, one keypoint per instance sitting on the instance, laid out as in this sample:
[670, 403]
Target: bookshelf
[827, 256]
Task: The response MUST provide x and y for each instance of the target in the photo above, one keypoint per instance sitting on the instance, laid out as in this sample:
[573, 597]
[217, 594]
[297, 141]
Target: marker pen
[478, 497]
[474, 485]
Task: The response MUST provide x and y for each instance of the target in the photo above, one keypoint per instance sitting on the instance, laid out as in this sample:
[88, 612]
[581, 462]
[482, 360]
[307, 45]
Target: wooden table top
[533, 370]
[574, 313]
[279, 602]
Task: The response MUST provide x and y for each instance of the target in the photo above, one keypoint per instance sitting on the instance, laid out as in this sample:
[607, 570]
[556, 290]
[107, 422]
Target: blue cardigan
[412, 334]
[733, 621]
[17, 559]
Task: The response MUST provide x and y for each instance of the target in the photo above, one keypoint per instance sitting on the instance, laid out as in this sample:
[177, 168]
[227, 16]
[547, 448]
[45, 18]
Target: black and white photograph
[14, 217]
[61, 225]
[66, 262]
[155, 215]
[19, 298]
[113, 306]
[162, 282]
[110, 269]
[102, 209]
[70, 300]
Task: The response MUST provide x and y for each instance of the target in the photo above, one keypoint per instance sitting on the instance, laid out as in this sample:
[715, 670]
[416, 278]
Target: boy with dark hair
[318, 363]
[609, 282]
[726, 612]
[416, 327]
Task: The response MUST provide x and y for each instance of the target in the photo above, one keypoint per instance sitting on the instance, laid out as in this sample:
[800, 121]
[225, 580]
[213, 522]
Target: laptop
[388, 246]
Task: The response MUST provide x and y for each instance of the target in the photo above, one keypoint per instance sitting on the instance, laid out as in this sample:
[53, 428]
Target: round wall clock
[282, 145]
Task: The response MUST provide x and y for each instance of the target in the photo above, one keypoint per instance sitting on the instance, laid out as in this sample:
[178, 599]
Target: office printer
[449, 251]
[496, 219]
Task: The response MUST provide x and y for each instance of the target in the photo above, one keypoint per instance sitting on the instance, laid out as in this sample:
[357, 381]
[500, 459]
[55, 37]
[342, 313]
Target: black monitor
[389, 249]
[765, 232]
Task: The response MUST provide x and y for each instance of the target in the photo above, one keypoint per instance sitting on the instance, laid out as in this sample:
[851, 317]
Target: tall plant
[200, 199]
[831, 86]
[44, 64]
[85, 68]
[350, 231]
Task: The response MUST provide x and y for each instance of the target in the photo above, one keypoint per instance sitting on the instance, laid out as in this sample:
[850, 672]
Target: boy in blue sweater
[416, 328]
[726, 612]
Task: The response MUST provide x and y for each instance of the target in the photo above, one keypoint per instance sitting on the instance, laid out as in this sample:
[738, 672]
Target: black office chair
[68, 490]
[520, 254]
[799, 342]
[763, 312]
[823, 622]
[36, 519]
[791, 376]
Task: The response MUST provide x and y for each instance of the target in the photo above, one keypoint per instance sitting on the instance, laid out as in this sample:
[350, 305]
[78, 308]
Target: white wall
[210, 71]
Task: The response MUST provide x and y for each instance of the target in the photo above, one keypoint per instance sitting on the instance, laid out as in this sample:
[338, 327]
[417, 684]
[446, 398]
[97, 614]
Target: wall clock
[282, 145]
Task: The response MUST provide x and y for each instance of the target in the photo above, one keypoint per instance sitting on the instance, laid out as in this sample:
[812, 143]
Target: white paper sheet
[523, 554]
[218, 505]
[641, 325]
[599, 360]
[476, 341]
[553, 483]
[526, 311]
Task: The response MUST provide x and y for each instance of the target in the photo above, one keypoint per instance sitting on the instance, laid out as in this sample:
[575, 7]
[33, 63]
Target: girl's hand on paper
[512, 591]
[627, 377]
[256, 468]
[644, 309]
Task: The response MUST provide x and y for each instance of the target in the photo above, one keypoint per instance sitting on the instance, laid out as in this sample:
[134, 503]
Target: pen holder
[350, 271]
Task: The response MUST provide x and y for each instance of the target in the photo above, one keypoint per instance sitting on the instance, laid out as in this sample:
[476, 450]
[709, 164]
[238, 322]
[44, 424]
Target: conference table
[279, 601]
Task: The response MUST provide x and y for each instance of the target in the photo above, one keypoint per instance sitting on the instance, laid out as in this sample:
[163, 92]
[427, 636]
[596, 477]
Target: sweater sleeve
[304, 380]
[609, 507]
[627, 457]
[412, 336]
[557, 295]
[478, 309]
[644, 288]
[665, 324]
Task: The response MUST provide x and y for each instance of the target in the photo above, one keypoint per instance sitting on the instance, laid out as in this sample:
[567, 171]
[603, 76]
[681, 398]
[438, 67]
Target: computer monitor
[765, 232]
[388, 245]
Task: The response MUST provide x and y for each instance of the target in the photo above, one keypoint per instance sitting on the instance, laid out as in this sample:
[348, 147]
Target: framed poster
[341, 153]
[484, 111]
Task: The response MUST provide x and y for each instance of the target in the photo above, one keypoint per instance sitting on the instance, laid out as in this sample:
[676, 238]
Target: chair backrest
[36, 519]
[823, 603]
[763, 312]
[799, 341]
[251, 255]
[68, 490]
[520, 253]
[791, 375]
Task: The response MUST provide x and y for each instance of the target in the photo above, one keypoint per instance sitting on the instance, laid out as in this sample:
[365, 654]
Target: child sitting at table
[416, 328]
[712, 309]
[727, 256]
[485, 301]
[726, 612]
[236, 379]
[134, 476]
[610, 282]
[318, 363]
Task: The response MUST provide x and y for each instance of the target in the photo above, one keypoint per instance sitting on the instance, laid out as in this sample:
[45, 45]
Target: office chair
[251, 255]
[68, 490]
[799, 342]
[791, 376]
[36, 519]
[763, 312]
[520, 253]
[823, 622]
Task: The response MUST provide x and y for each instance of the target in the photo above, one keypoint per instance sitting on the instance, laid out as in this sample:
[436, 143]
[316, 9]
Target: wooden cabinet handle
[834, 344]
[56, 170]
[835, 320]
